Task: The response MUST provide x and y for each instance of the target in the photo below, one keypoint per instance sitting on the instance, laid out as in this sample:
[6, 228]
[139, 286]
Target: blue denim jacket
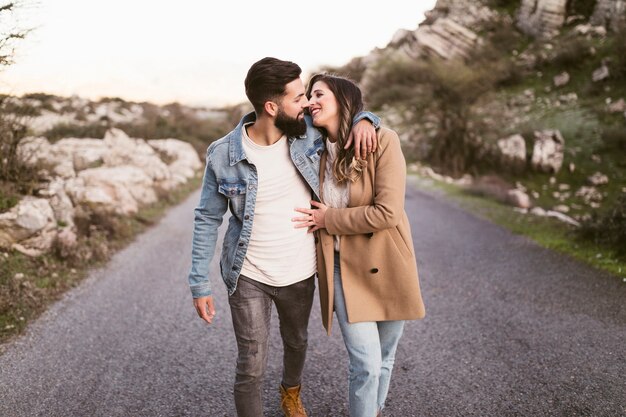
[230, 183]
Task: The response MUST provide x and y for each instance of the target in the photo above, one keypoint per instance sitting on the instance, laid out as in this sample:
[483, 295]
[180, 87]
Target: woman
[366, 263]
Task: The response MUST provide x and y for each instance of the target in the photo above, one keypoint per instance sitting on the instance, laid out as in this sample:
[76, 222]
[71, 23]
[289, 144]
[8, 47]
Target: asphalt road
[511, 330]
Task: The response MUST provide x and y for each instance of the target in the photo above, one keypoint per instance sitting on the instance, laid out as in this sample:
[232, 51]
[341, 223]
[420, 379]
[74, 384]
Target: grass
[28, 286]
[547, 232]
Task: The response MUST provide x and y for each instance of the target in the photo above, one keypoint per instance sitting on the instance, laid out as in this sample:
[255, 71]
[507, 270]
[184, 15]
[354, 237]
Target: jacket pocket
[236, 194]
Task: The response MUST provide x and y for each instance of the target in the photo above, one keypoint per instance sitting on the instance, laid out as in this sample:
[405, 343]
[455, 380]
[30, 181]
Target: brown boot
[290, 402]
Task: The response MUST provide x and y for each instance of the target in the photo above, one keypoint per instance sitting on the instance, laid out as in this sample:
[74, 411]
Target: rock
[446, 39]
[538, 211]
[541, 18]
[518, 198]
[571, 167]
[564, 187]
[32, 216]
[596, 158]
[60, 202]
[589, 194]
[617, 106]
[513, 150]
[609, 14]
[598, 178]
[124, 151]
[119, 189]
[548, 151]
[561, 208]
[562, 217]
[600, 74]
[568, 98]
[184, 161]
[66, 242]
[561, 79]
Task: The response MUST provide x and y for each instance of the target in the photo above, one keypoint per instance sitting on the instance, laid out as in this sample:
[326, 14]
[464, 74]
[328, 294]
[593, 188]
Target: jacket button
[374, 270]
[246, 217]
[240, 243]
[319, 151]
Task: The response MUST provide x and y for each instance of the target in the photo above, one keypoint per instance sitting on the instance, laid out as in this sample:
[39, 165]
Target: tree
[10, 32]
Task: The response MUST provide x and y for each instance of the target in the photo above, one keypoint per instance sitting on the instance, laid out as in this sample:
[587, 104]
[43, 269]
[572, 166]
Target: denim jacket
[230, 183]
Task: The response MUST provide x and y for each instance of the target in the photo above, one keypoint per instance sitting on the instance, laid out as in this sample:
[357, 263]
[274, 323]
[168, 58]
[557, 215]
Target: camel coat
[378, 268]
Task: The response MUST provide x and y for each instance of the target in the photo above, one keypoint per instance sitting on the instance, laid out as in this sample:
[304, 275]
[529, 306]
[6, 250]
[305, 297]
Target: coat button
[319, 151]
[246, 217]
[240, 243]
[374, 270]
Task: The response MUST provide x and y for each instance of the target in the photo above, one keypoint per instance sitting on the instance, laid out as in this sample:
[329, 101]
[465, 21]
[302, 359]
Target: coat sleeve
[387, 207]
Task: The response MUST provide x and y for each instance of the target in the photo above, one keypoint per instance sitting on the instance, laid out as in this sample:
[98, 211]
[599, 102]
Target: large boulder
[121, 189]
[30, 223]
[548, 151]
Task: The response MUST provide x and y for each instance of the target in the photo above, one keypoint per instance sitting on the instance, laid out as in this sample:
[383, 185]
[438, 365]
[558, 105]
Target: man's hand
[204, 307]
[315, 219]
[365, 139]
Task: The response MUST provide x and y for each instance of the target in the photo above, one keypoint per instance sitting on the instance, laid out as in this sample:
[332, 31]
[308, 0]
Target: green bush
[581, 7]
[614, 138]
[571, 52]
[618, 67]
[609, 227]
[67, 130]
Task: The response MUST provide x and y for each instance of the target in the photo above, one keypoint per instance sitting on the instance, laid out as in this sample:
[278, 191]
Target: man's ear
[271, 108]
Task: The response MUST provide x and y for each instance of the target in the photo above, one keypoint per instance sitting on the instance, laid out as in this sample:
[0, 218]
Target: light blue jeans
[372, 349]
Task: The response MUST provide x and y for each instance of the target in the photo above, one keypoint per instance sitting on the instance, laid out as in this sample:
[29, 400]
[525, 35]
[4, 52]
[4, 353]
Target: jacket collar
[235, 145]
[235, 141]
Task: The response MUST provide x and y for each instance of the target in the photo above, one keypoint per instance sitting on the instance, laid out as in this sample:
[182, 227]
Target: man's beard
[288, 125]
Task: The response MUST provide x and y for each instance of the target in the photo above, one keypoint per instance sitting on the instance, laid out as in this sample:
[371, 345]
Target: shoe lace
[291, 400]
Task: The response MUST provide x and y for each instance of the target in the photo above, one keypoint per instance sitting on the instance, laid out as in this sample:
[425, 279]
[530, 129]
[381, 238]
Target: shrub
[618, 46]
[614, 138]
[65, 130]
[570, 52]
[609, 227]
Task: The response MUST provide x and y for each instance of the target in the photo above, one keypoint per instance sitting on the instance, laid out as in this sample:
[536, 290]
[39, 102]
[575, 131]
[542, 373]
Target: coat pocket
[396, 238]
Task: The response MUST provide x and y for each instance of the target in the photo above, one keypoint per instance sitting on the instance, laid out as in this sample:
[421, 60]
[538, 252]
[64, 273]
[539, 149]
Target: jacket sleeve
[387, 207]
[375, 120]
[208, 217]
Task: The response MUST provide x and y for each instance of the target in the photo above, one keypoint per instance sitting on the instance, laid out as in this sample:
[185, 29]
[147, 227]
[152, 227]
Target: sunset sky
[192, 51]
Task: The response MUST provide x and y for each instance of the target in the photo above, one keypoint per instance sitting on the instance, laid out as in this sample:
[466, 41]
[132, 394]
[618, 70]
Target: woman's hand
[314, 218]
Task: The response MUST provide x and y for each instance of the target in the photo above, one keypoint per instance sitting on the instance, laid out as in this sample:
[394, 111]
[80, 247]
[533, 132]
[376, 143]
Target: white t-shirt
[278, 254]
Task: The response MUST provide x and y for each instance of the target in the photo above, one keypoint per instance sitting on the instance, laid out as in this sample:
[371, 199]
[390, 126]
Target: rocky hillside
[57, 117]
[522, 99]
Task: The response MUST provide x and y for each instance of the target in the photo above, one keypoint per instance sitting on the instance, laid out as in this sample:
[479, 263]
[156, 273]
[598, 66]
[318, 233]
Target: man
[267, 166]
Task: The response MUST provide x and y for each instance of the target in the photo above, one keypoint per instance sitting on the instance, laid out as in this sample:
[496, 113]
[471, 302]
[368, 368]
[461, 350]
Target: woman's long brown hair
[350, 102]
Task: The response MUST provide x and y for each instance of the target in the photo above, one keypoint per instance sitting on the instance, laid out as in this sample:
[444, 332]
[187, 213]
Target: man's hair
[266, 81]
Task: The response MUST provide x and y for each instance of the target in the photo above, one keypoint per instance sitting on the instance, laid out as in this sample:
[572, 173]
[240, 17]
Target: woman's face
[323, 106]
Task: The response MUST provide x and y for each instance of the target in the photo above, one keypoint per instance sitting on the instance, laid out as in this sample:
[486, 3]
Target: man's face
[290, 115]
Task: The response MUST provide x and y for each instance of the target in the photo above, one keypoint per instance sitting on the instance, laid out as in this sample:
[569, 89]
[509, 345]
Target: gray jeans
[251, 307]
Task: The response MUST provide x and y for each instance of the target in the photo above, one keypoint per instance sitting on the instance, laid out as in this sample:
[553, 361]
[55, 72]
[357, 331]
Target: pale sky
[192, 51]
